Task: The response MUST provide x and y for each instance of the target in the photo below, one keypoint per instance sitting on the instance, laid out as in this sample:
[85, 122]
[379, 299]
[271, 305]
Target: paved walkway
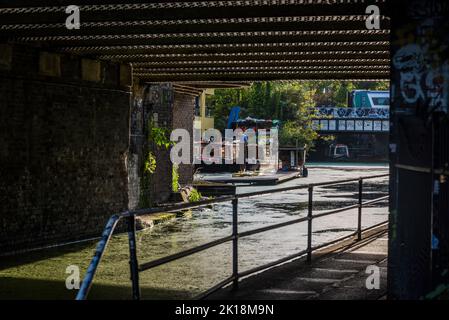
[339, 272]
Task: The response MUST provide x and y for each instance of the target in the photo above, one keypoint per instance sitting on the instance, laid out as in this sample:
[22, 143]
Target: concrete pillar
[419, 150]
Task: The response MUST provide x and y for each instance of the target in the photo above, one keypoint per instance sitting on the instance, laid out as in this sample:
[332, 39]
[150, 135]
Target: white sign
[324, 124]
[350, 125]
[377, 126]
[368, 126]
[359, 125]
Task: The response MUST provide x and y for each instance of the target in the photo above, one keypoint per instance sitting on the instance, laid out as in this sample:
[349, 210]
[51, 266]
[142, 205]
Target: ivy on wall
[157, 138]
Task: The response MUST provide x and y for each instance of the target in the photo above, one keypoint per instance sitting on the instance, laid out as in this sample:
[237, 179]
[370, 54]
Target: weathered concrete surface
[332, 275]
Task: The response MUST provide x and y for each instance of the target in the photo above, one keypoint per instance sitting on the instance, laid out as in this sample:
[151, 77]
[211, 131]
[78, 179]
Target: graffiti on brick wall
[422, 63]
[161, 94]
[355, 113]
[428, 8]
[351, 119]
[420, 82]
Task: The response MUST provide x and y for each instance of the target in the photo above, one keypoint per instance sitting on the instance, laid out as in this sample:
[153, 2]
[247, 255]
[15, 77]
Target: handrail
[99, 251]
[135, 268]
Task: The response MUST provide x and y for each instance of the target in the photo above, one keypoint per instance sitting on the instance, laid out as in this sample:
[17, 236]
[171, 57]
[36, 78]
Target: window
[210, 105]
[340, 151]
[209, 112]
[197, 107]
[381, 101]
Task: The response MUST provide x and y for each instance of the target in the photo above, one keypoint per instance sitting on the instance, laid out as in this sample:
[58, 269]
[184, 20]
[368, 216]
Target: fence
[136, 268]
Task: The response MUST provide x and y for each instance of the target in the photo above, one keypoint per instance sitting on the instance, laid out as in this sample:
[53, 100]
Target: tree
[296, 127]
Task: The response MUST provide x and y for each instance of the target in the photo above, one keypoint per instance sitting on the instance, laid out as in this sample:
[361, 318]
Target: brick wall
[151, 102]
[183, 116]
[159, 105]
[167, 109]
[64, 136]
[136, 141]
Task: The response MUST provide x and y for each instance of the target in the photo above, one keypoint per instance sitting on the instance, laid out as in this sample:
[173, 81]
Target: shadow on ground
[19, 259]
[35, 289]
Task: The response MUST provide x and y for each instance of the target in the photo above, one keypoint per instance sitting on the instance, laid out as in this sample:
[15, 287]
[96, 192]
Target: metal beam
[245, 56]
[44, 12]
[207, 70]
[249, 63]
[176, 3]
[231, 48]
[212, 38]
[267, 75]
[266, 23]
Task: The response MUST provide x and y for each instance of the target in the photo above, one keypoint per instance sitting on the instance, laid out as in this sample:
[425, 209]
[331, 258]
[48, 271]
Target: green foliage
[150, 163]
[159, 136]
[175, 178]
[195, 195]
[222, 102]
[156, 138]
[291, 133]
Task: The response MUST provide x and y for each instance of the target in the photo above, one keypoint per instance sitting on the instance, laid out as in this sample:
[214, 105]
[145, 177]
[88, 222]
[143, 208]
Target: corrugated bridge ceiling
[213, 41]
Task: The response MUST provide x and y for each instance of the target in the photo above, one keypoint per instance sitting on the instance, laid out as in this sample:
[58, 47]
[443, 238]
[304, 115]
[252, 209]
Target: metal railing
[135, 268]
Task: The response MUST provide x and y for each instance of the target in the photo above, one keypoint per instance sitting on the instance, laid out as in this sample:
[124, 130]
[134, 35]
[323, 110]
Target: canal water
[42, 274]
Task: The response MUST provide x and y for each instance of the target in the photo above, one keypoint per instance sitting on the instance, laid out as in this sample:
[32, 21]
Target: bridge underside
[67, 156]
[94, 89]
[65, 147]
[199, 42]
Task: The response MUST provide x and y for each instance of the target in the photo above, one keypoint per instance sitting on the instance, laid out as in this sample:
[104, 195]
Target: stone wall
[64, 137]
